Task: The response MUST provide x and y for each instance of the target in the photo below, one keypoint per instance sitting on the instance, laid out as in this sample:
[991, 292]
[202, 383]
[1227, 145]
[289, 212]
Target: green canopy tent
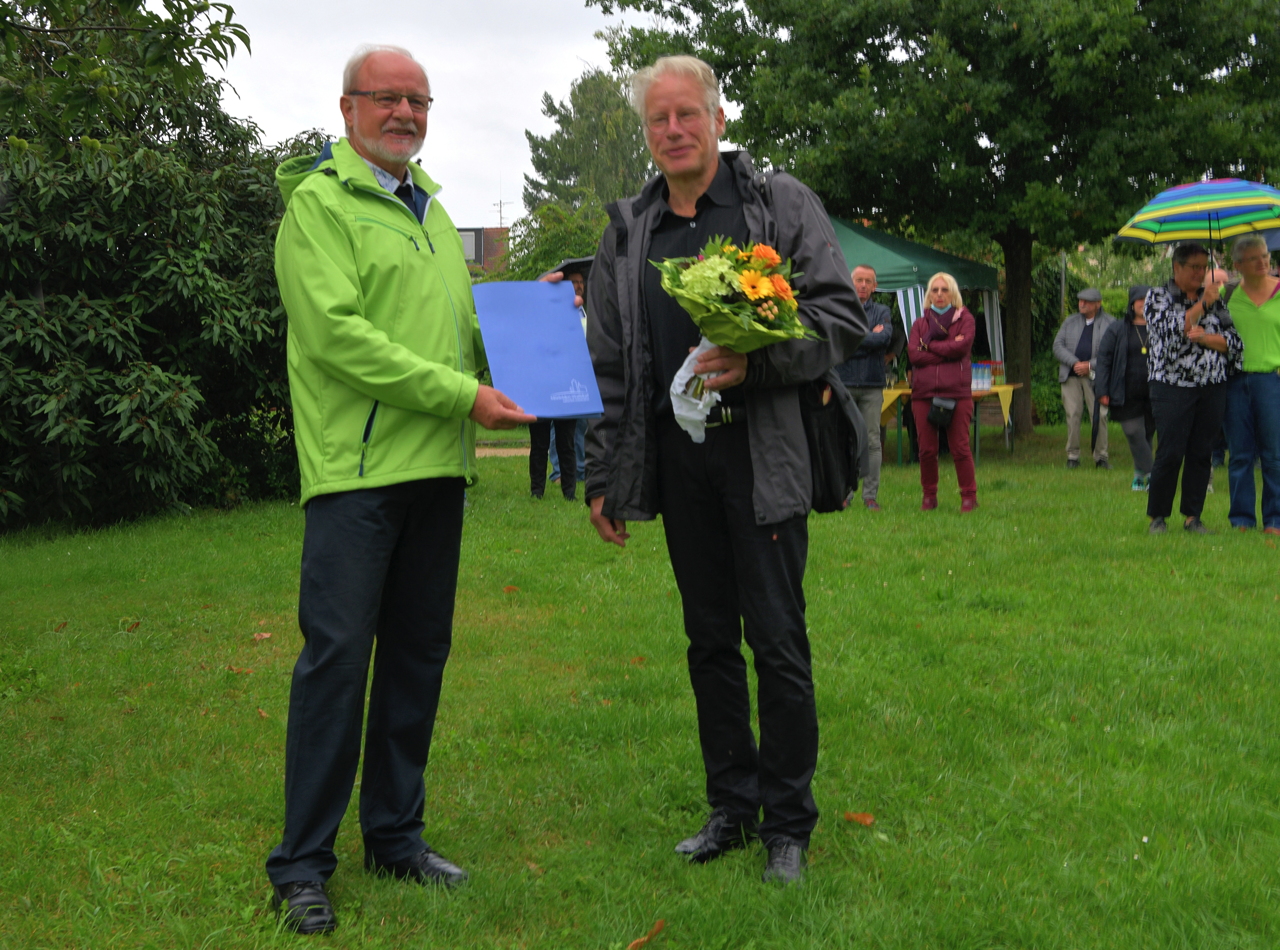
[904, 266]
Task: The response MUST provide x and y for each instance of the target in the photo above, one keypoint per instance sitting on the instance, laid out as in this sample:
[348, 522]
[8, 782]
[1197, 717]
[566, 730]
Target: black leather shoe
[721, 833]
[1102, 463]
[1073, 463]
[786, 862]
[425, 867]
[305, 906]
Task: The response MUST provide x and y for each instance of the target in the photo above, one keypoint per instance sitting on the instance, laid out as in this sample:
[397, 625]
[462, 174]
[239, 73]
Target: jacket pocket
[367, 436]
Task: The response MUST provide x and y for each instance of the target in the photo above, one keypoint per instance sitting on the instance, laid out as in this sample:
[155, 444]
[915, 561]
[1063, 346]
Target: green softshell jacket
[384, 347]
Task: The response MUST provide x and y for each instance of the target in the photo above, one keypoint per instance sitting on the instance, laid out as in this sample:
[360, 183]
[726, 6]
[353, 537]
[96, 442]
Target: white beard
[396, 155]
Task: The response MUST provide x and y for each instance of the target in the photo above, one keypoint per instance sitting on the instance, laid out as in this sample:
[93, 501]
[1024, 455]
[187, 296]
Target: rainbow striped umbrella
[1211, 210]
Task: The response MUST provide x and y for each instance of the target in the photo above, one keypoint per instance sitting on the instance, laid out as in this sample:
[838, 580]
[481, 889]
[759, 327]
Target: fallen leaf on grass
[262, 713]
[638, 660]
[239, 669]
[510, 589]
[206, 606]
[846, 565]
[262, 635]
[535, 869]
[861, 817]
[60, 626]
[262, 623]
[606, 702]
[133, 626]
[657, 929]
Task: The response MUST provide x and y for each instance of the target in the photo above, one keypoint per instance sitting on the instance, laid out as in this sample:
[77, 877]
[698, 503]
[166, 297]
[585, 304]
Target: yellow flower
[766, 255]
[729, 249]
[782, 289]
[755, 285]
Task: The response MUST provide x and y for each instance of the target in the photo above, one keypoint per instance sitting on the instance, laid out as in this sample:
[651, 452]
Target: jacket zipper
[368, 433]
[457, 332]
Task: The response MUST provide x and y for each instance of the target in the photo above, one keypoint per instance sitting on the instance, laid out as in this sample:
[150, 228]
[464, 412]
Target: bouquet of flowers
[741, 298]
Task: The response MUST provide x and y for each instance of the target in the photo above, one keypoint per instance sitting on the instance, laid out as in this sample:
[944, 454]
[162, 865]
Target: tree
[553, 232]
[599, 146]
[141, 335]
[1021, 120]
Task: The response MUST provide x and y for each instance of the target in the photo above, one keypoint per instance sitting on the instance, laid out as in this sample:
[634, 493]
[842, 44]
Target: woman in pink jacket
[938, 348]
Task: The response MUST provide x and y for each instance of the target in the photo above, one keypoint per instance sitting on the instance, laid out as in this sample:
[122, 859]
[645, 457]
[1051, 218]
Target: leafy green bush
[1046, 391]
[140, 326]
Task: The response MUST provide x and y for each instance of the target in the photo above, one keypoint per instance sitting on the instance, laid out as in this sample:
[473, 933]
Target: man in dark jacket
[734, 507]
[863, 375]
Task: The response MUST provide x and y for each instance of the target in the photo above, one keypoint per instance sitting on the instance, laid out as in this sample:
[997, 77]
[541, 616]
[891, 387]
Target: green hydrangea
[711, 277]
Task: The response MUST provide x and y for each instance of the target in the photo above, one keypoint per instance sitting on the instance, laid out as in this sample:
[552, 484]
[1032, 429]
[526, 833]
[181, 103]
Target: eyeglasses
[386, 99]
[1254, 258]
[684, 118]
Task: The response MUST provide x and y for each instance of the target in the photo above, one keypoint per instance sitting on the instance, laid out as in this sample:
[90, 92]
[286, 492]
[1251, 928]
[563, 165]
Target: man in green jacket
[384, 353]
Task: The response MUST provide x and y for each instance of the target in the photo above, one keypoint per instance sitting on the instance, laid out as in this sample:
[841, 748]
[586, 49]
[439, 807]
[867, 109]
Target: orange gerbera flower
[766, 255]
[782, 289]
[755, 285]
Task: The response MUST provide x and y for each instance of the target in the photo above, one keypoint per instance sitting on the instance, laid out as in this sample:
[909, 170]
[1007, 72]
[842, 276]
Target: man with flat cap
[1076, 349]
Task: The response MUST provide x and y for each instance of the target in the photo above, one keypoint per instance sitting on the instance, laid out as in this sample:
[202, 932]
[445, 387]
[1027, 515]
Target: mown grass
[1064, 728]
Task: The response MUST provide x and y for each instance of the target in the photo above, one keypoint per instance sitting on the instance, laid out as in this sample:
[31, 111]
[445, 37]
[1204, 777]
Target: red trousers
[957, 441]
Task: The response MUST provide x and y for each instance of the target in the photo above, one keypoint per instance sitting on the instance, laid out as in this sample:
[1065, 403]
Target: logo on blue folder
[575, 393]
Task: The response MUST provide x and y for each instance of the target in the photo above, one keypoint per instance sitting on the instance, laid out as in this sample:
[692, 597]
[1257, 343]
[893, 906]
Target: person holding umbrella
[1121, 383]
[1253, 396]
[1192, 349]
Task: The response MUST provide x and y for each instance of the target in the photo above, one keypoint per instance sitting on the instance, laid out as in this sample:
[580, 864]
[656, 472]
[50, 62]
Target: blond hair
[689, 66]
[956, 300]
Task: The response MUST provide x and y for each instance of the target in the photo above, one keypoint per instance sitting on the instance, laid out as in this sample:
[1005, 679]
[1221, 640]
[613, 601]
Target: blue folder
[537, 352]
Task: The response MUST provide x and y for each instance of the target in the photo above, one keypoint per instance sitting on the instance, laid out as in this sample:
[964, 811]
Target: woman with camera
[1121, 383]
[941, 387]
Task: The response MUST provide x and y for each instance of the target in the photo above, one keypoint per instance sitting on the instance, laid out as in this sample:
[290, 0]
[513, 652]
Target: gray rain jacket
[622, 463]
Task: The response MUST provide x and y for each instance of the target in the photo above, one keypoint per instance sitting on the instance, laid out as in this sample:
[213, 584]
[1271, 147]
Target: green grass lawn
[1065, 729]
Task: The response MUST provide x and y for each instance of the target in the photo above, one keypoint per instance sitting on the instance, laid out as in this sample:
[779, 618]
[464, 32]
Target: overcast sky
[489, 62]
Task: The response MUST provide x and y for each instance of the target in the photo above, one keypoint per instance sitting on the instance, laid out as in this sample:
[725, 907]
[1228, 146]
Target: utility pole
[500, 204]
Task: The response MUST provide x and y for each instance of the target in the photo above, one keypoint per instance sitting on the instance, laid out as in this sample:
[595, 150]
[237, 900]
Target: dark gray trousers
[379, 565]
[740, 578]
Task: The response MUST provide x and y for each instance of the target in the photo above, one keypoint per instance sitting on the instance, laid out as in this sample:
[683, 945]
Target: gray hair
[1246, 243]
[689, 66]
[352, 69]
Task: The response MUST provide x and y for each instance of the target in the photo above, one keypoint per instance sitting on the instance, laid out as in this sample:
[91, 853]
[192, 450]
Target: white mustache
[401, 127]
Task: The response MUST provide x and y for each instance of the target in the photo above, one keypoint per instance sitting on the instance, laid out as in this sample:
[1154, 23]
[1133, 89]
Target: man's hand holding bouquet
[740, 299]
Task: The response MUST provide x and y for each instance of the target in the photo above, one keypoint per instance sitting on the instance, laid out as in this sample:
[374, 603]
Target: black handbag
[940, 412]
[836, 434]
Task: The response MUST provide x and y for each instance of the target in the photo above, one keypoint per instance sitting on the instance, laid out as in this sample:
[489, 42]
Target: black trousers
[378, 565]
[540, 448]
[739, 578]
[1188, 420]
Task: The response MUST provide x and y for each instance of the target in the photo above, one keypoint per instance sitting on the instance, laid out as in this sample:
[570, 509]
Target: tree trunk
[1016, 243]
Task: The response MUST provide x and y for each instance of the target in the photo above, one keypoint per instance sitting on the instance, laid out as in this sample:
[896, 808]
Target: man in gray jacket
[863, 375]
[1076, 349]
[733, 507]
